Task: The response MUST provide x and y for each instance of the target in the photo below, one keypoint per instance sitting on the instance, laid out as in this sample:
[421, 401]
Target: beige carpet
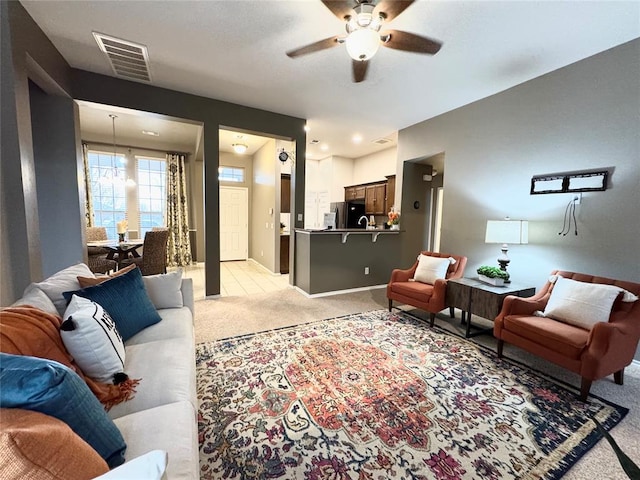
[230, 316]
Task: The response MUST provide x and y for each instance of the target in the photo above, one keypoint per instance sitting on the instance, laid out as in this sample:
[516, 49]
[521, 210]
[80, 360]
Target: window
[143, 205]
[231, 174]
[151, 193]
[108, 190]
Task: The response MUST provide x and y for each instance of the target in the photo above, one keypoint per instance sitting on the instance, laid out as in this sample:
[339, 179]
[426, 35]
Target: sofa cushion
[176, 323]
[126, 300]
[36, 446]
[60, 282]
[164, 289]
[170, 427]
[167, 369]
[91, 337]
[566, 339]
[580, 303]
[51, 388]
[35, 297]
[430, 268]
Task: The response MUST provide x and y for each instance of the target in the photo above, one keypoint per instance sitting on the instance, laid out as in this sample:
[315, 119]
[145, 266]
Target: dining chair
[154, 253]
[97, 256]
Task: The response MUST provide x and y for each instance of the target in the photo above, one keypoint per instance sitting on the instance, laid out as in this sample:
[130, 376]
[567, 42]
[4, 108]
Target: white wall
[375, 167]
[583, 116]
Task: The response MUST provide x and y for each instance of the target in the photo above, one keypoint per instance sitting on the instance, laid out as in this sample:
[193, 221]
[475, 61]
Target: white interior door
[234, 223]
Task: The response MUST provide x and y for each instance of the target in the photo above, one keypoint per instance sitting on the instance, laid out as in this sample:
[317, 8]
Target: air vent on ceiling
[128, 60]
[381, 141]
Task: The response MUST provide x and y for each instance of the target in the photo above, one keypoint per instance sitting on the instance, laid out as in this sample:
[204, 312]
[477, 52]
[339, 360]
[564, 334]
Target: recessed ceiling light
[307, 128]
[150, 133]
[357, 138]
[314, 142]
[324, 147]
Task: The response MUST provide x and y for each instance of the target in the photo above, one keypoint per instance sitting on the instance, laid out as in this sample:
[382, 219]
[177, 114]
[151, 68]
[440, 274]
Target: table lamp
[505, 232]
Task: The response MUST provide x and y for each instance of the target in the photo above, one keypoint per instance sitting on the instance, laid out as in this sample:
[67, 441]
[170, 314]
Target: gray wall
[53, 138]
[583, 116]
[28, 53]
[415, 222]
[263, 200]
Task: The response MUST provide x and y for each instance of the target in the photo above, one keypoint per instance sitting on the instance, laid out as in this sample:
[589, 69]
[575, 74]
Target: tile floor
[238, 278]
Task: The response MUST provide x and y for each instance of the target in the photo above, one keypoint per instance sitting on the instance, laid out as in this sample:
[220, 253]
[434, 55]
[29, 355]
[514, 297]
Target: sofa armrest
[187, 294]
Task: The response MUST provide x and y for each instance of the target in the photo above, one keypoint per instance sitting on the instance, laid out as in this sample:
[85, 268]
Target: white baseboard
[339, 292]
[636, 362]
[258, 264]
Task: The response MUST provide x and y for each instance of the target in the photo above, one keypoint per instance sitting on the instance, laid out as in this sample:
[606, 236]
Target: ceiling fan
[364, 20]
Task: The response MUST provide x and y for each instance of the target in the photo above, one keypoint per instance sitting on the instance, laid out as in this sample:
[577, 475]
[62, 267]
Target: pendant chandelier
[114, 175]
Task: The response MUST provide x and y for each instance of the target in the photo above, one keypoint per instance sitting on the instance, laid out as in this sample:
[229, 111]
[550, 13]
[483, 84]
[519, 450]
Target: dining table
[119, 251]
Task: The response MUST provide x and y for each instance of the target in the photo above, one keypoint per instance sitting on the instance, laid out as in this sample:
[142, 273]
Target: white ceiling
[235, 51]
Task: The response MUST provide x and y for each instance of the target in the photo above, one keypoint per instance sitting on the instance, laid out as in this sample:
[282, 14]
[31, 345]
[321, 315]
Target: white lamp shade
[362, 44]
[507, 231]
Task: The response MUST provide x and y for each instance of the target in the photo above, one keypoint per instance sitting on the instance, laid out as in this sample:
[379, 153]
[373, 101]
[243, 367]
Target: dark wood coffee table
[478, 298]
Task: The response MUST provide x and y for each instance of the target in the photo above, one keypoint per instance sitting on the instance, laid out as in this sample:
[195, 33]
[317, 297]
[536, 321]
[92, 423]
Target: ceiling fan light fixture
[239, 148]
[362, 44]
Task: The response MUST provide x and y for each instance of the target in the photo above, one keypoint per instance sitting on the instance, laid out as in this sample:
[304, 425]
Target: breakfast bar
[344, 259]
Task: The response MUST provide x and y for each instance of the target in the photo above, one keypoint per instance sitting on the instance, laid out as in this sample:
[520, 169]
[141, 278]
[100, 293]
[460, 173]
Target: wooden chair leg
[390, 304]
[618, 377]
[432, 319]
[452, 313]
[585, 386]
[500, 347]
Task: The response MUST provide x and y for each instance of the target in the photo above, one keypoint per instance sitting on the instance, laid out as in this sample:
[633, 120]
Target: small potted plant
[492, 275]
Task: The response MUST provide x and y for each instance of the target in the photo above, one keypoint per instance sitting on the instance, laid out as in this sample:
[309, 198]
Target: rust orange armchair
[605, 348]
[429, 297]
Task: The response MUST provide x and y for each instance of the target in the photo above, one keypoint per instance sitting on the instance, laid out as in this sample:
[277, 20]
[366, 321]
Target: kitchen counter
[344, 259]
[346, 232]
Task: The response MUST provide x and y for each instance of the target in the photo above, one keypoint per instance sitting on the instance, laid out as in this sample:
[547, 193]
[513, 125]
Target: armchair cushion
[430, 268]
[580, 303]
[413, 289]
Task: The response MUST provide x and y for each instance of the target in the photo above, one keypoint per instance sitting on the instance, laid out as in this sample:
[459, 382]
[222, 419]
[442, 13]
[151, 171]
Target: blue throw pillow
[51, 388]
[125, 299]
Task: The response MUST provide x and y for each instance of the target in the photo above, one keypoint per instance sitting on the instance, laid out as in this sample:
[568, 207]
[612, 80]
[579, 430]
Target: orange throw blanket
[25, 330]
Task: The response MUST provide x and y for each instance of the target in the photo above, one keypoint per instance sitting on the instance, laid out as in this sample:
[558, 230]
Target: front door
[234, 224]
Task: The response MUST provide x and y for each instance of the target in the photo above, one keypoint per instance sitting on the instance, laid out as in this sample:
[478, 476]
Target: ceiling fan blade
[410, 42]
[340, 8]
[313, 47]
[360, 70]
[391, 8]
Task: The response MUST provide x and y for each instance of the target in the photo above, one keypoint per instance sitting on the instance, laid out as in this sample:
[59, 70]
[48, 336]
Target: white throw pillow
[150, 466]
[431, 268]
[63, 281]
[93, 340]
[164, 289]
[580, 303]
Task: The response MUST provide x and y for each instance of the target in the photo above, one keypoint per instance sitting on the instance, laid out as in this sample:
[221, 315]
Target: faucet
[366, 220]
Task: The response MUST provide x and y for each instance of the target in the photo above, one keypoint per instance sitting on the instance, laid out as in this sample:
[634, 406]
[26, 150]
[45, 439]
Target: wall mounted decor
[582, 181]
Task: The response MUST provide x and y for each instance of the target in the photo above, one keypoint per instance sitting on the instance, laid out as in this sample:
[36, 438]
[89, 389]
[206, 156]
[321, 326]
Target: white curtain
[87, 186]
[179, 248]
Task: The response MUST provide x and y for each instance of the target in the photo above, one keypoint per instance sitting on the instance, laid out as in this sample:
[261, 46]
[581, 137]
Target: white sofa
[163, 413]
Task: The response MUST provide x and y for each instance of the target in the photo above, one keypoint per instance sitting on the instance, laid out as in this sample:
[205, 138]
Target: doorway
[234, 223]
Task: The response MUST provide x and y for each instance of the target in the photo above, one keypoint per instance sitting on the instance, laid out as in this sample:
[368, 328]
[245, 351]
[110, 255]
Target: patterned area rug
[381, 395]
